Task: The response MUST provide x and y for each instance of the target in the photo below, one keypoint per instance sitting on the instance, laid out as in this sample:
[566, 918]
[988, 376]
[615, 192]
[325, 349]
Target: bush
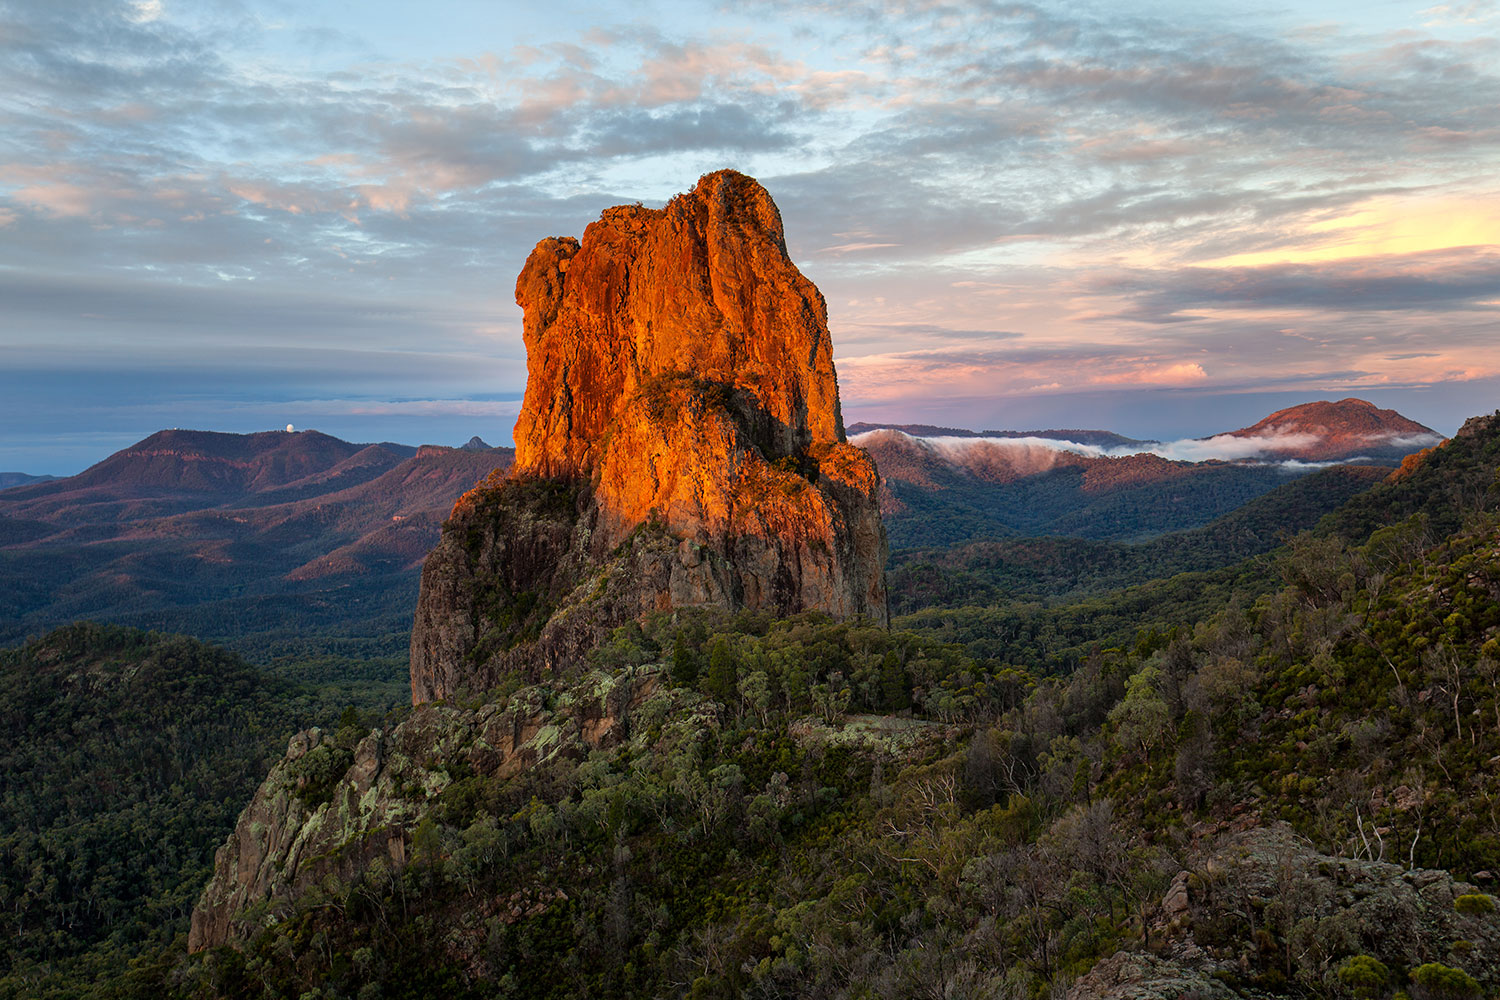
[1474, 903]
[1365, 975]
[1435, 981]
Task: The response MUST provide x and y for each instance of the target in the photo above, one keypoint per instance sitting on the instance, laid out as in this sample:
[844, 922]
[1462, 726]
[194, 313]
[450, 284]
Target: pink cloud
[60, 199]
[1174, 374]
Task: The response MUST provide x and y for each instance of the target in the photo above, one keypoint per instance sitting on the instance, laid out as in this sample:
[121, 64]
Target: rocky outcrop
[1264, 913]
[337, 804]
[1479, 425]
[680, 444]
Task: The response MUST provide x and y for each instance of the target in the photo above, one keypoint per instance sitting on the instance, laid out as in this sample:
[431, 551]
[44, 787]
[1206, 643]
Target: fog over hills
[1350, 430]
[945, 486]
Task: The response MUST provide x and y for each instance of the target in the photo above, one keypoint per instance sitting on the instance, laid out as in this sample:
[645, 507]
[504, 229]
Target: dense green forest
[1060, 502]
[125, 757]
[1057, 570]
[1270, 777]
[361, 618]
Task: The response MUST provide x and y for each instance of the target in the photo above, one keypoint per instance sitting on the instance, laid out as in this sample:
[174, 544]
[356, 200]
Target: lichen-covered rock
[329, 809]
[680, 444]
[1138, 976]
[1264, 913]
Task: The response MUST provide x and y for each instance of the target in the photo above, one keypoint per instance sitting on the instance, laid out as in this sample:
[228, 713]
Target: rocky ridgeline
[680, 444]
[336, 805]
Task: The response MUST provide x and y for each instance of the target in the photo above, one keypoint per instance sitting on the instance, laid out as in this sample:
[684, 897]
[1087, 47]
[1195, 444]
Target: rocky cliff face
[680, 444]
[337, 803]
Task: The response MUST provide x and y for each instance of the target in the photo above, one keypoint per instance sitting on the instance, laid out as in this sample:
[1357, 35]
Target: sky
[1164, 219]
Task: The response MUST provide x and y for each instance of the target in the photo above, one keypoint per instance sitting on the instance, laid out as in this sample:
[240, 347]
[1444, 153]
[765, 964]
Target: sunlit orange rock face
[681, 388]
[704, 287]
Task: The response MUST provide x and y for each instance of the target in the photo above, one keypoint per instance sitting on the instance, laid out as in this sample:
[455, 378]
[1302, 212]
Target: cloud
[1030, 455]
[1231, 447]
[856, 247]
[910, 331]
[1385, 226]
[1470, 12]
[409, 407]
[1466, 279]
[1408, 441]
[1080, 200]
[1173, 374]
[144, 11]
[1015, 366]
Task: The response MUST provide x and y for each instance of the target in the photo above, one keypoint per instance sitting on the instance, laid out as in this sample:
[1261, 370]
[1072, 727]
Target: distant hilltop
[205, 531]
[1102, 439]
[1349, 429]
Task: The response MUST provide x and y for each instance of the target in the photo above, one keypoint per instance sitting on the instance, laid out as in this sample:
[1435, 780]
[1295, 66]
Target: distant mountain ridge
[164, 532]
[942, 486]
[226, 535]
[176, 471]
[9, 480]
[1319, 431]
[1103, 439]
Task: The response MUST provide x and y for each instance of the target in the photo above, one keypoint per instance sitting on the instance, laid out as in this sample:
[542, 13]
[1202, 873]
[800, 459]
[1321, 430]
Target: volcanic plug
[680, 444]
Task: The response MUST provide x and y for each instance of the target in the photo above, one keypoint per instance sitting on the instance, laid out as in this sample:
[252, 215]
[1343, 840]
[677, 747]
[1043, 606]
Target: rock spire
[680, 444]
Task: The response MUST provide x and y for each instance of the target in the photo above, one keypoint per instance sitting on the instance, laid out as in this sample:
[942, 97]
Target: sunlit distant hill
[234, 535]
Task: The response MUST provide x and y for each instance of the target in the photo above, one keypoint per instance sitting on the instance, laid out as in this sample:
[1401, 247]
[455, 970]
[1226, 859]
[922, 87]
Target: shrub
[1365, 975]
[1474, 903]
[1435, 981]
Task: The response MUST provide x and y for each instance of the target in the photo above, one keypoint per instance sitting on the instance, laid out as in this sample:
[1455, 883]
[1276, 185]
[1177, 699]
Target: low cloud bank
[1029, 455]
[1230, 447]
[1410, 441]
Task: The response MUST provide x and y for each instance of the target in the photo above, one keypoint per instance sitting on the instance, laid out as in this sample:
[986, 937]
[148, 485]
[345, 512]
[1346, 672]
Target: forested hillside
[1060, 570]
[124, 758]
[1143, 496]
[275, 544]
[944, 487]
